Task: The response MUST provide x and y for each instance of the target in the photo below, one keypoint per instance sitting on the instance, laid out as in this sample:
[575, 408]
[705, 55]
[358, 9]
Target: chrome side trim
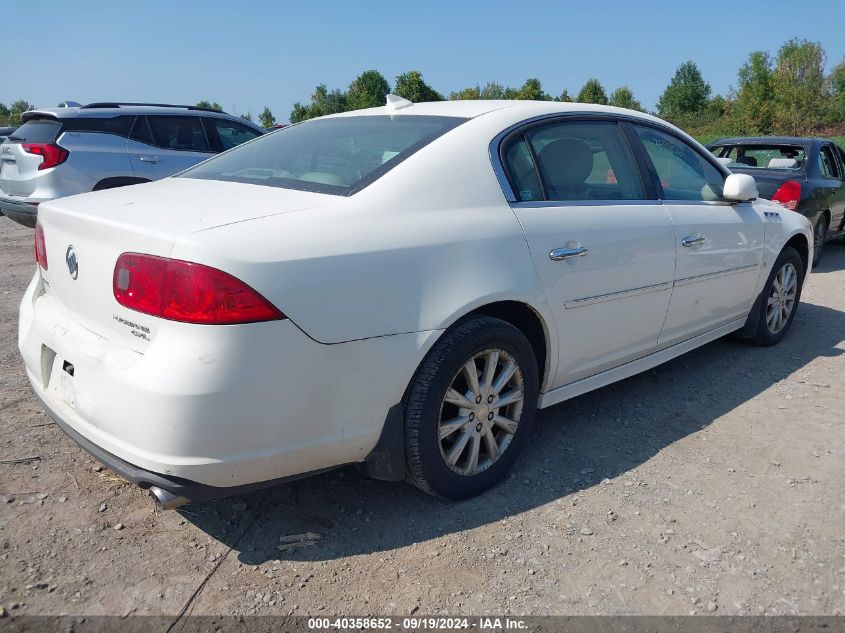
[722, 273]
[542, 204]
[634, 367]
[613, 296]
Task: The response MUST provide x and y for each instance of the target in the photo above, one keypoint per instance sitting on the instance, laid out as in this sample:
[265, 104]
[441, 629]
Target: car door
[831, 190]
[719, 245]
[603, 249]
[162, 145]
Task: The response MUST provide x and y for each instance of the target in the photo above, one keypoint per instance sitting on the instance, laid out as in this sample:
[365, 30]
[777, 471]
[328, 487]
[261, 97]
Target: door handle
[692, 240]
[559, 254]
[149, 159]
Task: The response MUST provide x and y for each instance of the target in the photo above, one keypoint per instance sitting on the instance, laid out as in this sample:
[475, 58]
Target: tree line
[784, 93]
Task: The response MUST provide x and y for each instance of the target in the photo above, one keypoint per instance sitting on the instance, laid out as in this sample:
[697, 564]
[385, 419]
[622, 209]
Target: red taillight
[40, 246]
[788, 194]
[52, 153]
[184, 291]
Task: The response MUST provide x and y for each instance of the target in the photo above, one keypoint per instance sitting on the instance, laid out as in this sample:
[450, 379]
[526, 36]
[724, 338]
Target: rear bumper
[21, 212]
[211, 411]
[192, 490]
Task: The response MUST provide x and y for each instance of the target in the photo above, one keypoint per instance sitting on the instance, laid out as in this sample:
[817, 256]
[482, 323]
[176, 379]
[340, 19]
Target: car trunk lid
[84, 235]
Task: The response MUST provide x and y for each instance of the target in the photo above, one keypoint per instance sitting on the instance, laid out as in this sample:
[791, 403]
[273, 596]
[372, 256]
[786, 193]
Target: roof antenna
[395, 102]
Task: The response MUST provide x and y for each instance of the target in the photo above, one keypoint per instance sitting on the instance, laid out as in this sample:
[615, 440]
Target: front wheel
[780, 298]
[470, 408]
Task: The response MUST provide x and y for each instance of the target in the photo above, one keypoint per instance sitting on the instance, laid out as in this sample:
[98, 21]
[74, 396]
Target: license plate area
[58, 374]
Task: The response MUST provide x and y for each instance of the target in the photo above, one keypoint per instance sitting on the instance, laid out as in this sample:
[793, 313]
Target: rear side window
[184, 133]
[118, 125]
[335, 155]
[827, 163]
[684, 173]
[572, 161]
[230, 133]
[38, 131]
[788, 157]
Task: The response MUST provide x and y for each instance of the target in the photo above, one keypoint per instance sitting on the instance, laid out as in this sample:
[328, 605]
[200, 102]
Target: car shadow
[576, 444]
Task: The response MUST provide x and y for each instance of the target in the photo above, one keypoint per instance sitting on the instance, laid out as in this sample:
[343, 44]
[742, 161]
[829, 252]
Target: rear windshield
[37, 131]
[785, 157]
[337, 155]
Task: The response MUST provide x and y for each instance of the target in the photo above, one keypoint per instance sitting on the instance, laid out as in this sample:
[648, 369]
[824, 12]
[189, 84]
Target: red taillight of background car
[183, 291]
[53, 154]
[788, 194]
[40, 246]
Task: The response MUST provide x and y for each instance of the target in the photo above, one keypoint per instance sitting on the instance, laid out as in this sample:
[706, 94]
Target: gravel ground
[713, 483]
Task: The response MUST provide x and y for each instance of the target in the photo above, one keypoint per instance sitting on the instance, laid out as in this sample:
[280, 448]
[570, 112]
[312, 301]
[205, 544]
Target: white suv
[60, 152]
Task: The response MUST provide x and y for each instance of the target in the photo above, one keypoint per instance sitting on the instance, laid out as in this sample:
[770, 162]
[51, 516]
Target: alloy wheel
[781, 300]
[480, 412]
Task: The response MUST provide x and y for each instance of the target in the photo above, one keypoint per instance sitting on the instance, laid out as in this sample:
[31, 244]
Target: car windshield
[786, 157]
[334, 155]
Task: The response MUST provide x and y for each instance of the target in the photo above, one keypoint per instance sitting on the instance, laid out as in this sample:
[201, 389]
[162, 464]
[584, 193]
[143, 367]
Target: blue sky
[253, 53]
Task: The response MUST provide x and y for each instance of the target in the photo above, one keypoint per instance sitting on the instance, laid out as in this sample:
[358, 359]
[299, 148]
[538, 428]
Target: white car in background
[399, 287]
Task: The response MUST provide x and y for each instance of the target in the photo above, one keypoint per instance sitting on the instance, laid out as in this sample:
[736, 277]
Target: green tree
[836, 87]
[4, 114]
[532, 90]
[564, 97]
[755, 99]
[687, 93]
[466, 94]
[368, 90]
[17, 109]
[247, 116]
[624, 98]
[210, 105]
[799, 87]
[492, 90]
[266, 118]
[299, 113]
[592, 92]
[411, 86]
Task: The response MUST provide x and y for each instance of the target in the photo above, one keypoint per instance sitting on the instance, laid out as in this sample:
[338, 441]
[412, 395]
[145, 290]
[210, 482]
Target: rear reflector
[788, 194]
[52, 153]
[183, 291]
[40, 246]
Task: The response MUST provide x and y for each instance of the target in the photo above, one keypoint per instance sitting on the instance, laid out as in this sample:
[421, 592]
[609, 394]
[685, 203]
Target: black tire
[762, 334]
[426, 462]
[819, 235]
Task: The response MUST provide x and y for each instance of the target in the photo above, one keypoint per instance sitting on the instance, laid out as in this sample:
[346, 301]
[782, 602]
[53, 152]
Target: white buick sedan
[399, 287]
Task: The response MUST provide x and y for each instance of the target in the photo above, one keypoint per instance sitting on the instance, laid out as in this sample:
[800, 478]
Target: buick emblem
[72, 263]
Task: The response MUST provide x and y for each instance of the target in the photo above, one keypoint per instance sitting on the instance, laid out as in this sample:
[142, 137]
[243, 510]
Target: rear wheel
[470, 408]
[819, 235]
[781, 295]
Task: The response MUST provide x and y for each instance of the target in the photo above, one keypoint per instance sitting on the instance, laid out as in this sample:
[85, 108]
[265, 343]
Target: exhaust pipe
[166, 500]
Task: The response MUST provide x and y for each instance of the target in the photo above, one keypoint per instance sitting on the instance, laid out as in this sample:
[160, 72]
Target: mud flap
[387, 460]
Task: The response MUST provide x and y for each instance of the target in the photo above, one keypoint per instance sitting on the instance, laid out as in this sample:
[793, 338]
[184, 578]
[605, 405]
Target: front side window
[573, 161]
[683, 172]
[183, 133]
[230, 133]
[339, 155]
[827, 163]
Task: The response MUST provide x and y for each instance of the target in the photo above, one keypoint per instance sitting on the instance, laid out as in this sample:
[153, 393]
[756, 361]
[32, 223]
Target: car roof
[475, 108]
[109, 110]
[765, 140]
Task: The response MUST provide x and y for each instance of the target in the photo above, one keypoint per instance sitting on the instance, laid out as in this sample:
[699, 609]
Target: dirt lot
[711, 484]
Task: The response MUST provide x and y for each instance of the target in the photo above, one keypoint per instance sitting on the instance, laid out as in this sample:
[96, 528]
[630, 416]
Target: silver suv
[64, 151]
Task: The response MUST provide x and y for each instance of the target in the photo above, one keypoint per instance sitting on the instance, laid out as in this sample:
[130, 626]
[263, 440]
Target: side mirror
[740, 188]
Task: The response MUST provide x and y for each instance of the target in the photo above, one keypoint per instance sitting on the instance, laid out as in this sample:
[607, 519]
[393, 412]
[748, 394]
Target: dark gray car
[806, 175]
